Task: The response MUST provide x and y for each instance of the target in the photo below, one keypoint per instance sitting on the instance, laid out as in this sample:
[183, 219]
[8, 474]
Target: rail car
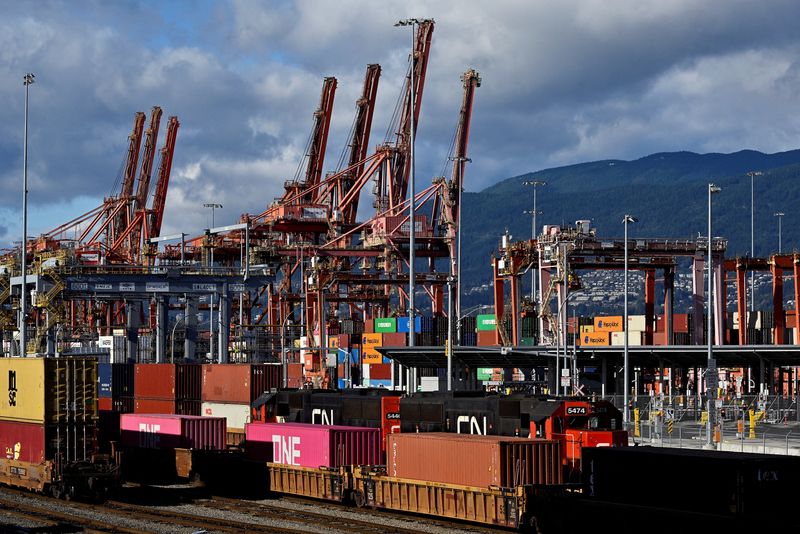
[48, 428]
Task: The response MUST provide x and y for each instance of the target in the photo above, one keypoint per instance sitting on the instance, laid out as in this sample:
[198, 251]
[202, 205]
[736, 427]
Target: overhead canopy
[643, 356]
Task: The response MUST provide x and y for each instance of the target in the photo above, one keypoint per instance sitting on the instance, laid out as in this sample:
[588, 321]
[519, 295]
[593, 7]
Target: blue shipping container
[104, 373]
[402, 324]
[387, 360]
[375, 383]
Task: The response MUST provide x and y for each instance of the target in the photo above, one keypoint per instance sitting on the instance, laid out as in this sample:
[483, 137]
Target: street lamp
[711, 368]
[779, 215]
[28, 80]
[534, 184]
[625, 220]
[178, 319]
[414, 23]
[752, 175]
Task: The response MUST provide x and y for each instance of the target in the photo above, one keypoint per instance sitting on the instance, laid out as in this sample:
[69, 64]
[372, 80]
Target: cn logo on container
[286, 449]
[149, 437]
[325, 416]
[471, 422]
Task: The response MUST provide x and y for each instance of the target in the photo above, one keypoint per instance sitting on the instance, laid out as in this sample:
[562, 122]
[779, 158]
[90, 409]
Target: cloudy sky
[563, 82]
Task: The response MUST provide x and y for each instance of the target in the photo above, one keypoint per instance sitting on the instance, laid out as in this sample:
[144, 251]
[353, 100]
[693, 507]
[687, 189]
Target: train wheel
[358, 499]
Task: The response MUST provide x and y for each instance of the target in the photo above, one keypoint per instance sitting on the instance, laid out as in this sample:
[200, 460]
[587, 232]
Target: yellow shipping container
[49, 390]
[611, 323]
[333, 342]
[587, 329]
[595, 339]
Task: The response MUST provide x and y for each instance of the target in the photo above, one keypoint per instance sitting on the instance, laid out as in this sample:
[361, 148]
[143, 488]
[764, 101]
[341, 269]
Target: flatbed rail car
[371, 487]
[48, 426]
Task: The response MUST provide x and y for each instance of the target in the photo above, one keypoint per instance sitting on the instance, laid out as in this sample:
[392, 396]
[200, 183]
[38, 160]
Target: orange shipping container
[595, 339]
[611, 323]
[486, 338]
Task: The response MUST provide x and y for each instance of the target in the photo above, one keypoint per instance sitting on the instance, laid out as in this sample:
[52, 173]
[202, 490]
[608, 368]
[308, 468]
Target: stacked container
[229, 389]
[165, 388]
[160, 431]
[473, 460]
[313, 446]
[50, 408]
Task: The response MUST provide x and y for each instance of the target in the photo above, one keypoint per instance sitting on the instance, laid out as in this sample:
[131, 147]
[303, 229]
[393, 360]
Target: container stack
[166, 388]
[50, 408]
[229, 389]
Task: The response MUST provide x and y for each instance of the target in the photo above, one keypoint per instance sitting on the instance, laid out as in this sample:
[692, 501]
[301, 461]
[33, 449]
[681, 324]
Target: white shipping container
[235, 414]
[365, 371]
[429, 383]
[637, 323]
[634, 339]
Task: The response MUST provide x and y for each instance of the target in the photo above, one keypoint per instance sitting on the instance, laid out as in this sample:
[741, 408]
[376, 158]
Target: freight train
[48, 428]
[575, 423]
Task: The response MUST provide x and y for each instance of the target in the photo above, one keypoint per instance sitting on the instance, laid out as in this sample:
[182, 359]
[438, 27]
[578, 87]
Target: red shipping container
[680, 323]
[172, 431]
[487, 338]
[313, 446]
[226, 383]
[380, 371]
[105, 403]
[790, 319]
[294, 370]
[369, 326]
[473, 460]
[22, 441]
[167, 381]
[344, 341]
[659, 338]
[395, 339]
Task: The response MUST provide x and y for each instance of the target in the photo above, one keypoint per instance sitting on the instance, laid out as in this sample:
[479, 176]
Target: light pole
[414, 23]
[779, 215]
[461, 160]
[625, 377]
[752, 175]
[284, 360]
[28, 80]
[178, 319]
[711, 368]
[213, 206]
[534, 184]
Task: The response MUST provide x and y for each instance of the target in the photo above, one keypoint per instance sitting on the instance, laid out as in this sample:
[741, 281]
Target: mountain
[667, 192]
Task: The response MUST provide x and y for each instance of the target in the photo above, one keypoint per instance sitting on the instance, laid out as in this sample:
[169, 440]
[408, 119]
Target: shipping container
[236, 415]
[386, 325]
[49, 390]
[105, 404]
[635, 338]
[161, 431]
[637, 322]
[611, 323]
[369, 326]
[36, 442]
[486, 338]
[471, 460]
[402, 324]
[123, 404]
[380, 371]
[485, 322]
[105, 379]
[238, 383]
[595, 339]
[122, 379]
[397, 339]
[314, 446]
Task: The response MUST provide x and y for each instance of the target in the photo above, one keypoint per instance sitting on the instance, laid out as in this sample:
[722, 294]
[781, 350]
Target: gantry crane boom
[140, 202]
[319, 139]
[129, 176]
[360, 142]
[162, 184]
[401, 164]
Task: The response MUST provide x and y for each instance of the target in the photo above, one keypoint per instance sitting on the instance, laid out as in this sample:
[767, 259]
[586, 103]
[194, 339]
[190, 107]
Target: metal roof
[646, 356]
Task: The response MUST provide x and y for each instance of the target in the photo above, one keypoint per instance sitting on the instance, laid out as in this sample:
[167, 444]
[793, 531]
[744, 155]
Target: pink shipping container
[473, 460]
[313, 446]
[162, 431]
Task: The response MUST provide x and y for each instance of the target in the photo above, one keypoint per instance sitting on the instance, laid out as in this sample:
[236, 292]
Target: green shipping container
[485, 373]
[385, 324]
[486, 322]
[527, 341]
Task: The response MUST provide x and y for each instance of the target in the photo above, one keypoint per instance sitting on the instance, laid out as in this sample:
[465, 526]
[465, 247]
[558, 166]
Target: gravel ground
[386, 522]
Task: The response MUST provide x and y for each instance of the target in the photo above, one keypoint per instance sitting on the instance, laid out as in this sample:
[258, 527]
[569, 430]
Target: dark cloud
[562, 83]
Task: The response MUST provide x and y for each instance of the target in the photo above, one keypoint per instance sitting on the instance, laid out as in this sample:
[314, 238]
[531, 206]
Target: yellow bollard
[703, 417]
[716, 433]
[740, 427]
[670, 424]
[752, 424]
[636, 430]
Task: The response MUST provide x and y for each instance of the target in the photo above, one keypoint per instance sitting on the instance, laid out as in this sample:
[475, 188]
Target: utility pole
[534, 184]
[752, 175]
